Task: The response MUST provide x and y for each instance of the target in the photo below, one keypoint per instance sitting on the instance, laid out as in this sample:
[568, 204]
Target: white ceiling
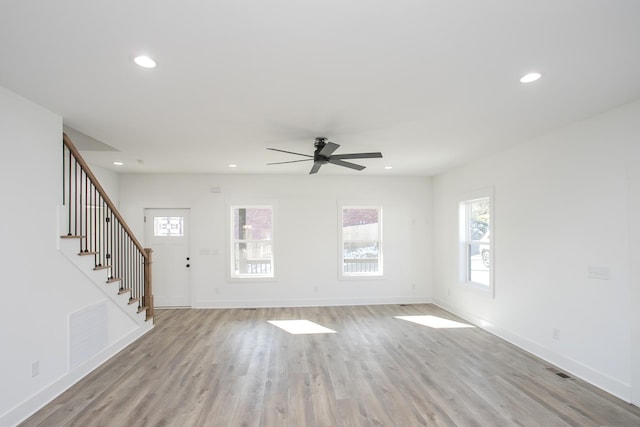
[431, 84]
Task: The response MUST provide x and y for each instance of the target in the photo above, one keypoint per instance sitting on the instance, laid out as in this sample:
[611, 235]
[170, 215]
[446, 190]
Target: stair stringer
[70, 248]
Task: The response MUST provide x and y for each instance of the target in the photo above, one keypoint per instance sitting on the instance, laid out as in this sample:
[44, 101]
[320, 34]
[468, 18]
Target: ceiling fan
[324, 154]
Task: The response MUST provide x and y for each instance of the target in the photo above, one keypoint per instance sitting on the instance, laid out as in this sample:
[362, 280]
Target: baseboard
[308, 302]
[46, 395]
[573, 367]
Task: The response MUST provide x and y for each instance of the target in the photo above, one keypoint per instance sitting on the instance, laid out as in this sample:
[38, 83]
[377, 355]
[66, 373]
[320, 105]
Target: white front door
[167, 233]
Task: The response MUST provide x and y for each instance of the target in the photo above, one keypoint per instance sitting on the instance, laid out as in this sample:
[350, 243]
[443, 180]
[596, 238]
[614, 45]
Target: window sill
[358, 277]
[253, 279]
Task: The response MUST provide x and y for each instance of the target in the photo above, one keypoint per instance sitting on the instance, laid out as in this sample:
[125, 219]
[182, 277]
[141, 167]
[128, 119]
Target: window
[476, 234]
[361, 241]
[251, 241]
[168, 226]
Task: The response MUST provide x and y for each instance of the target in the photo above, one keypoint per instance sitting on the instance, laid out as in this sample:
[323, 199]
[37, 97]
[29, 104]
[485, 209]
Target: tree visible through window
[361, 241]
[252, 241]
[477, 229]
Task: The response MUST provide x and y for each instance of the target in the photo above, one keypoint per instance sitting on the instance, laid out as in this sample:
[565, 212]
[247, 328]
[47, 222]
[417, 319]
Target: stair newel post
[92, 216]
[147, 299]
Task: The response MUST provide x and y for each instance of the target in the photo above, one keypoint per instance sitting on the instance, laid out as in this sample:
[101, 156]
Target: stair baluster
[103, 232]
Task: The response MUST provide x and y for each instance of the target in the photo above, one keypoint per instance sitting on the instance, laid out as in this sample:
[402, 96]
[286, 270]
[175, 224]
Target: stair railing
[103, 233]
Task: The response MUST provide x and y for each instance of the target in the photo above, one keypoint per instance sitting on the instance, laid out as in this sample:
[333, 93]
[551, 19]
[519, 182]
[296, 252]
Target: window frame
[466, 242]
[169, 235]
[341, 241]
[232, 275]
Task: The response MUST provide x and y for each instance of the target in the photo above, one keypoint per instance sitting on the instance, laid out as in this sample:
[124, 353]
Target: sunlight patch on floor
[298, 327]
[435, 322]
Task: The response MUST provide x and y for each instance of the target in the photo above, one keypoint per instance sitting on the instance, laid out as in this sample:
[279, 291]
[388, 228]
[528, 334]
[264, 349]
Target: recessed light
[388, 167]
[144, 61]
[531, 77]
[233, 166]
[118, 163]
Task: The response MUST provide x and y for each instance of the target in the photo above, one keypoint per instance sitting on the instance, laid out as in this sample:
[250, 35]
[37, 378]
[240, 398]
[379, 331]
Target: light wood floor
[232, 368]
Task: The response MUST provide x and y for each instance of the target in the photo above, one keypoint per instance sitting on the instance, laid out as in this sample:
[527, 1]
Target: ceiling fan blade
[358, 156]
[292, 161]
[315, 168]
[349, 165]
[290, 152]
[328, 149]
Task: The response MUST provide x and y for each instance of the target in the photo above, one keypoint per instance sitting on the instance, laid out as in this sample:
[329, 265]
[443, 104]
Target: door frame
[188, 236]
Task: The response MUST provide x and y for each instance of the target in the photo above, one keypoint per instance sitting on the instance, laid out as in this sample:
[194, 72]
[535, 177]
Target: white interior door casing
[167, 233]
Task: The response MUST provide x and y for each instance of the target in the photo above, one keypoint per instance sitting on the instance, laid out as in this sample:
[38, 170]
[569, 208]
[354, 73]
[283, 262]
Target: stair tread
[121, 291]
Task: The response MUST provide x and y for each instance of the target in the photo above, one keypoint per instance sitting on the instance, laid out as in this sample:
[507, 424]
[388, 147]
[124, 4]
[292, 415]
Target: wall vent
[87, 333]
[559, 373]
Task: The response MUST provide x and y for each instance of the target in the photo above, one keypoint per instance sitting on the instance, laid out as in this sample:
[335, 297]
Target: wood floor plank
[299, 401]
[229, 367]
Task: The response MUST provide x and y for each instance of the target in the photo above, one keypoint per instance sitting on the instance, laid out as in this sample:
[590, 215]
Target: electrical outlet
[556, 334]
[35, 368]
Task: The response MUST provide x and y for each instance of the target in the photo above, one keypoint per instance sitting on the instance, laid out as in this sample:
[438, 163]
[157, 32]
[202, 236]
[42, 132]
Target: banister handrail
[72, 148]
[103, 232]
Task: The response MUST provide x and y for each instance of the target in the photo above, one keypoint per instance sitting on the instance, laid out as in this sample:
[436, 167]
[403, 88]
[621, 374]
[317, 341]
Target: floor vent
[249, 309]
[560, 373]
[403, 305]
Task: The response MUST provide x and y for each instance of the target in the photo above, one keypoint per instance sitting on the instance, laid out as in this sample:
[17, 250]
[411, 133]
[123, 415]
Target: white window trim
[231, 276]
[485, 193]
[360, 276]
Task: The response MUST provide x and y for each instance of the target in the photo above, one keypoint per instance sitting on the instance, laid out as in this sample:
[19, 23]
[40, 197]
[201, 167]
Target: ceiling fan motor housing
[317, 157]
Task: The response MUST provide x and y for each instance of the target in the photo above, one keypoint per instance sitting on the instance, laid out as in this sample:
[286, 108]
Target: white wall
[305, 235]
[634, 259]
[40, 286]
[561, 206]
[109, 180]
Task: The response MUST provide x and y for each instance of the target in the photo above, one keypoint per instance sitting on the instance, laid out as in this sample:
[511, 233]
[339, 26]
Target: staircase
[99, 242]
